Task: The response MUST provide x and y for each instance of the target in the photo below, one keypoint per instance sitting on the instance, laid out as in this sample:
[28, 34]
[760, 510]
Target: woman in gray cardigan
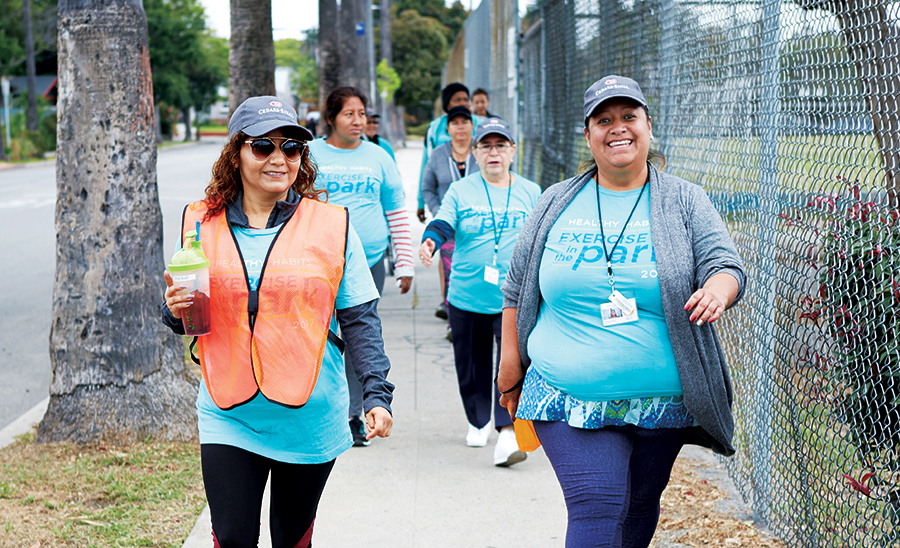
[447, 164]
[608, 342]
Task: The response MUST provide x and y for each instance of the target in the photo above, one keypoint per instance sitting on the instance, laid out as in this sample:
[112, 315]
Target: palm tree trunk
[118, 373]
[251, 59]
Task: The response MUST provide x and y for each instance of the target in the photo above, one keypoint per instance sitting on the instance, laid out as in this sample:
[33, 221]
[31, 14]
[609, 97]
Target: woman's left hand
[707, 303]
[705, 306]
[380, 422]
[405, 282]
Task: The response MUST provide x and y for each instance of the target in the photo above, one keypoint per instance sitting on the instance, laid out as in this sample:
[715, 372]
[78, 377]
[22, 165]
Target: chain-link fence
[484, 56]
[786, 112]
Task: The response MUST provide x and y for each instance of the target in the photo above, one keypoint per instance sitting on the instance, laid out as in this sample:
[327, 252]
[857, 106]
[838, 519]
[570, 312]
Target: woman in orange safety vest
[286, 270]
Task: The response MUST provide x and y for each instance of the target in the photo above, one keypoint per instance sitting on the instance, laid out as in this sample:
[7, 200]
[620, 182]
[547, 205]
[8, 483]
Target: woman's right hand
[176, 301]
[511, 401]
[426, 251]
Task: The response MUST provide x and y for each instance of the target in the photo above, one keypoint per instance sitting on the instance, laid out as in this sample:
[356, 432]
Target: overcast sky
[291, 18]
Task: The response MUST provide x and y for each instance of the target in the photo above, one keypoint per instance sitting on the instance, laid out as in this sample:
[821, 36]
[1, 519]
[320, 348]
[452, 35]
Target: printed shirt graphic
[365, 180]
[318, 431]
[465, 208]
[569, 345]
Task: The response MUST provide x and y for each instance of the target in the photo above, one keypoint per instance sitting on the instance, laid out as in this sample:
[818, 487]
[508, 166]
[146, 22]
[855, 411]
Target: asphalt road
[28, 248]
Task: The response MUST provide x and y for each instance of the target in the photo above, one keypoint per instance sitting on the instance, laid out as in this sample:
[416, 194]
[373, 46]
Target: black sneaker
[358, 429]
[441, 311]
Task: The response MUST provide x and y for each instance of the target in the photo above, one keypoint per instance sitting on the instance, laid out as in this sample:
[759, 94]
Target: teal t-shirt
[477, 220]
[569, 345]
[317, 432]
[365, 180]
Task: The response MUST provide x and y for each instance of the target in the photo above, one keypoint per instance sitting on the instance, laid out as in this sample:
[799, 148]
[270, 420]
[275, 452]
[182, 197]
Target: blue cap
[493, 126]
[611, 87]
[259, 115]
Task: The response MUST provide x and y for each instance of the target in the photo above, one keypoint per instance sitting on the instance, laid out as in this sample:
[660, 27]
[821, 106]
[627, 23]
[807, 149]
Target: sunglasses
[264, 147]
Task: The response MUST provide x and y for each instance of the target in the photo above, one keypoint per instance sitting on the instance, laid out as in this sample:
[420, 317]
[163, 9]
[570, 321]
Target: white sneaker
[506, 452]
[478, 437]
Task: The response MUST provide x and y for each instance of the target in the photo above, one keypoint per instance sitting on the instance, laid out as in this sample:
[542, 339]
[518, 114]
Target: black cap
[494, 126]
[372, 114]
[449, 92]
[611, 87]
[259, 115]
[459, 111]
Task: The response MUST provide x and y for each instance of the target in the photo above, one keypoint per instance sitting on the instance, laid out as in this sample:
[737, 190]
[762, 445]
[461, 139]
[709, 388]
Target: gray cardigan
[440, 172]
[691, 245]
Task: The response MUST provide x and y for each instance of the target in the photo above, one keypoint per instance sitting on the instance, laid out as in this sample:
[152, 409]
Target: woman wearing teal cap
[286, 270]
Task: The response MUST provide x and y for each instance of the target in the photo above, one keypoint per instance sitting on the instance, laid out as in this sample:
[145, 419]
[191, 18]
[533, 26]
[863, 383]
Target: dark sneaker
[449, 335]
[441, 311]
[358, 429]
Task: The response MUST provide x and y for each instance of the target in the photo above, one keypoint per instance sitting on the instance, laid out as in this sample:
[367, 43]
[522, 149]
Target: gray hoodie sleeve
[361, 330]
[430, 188]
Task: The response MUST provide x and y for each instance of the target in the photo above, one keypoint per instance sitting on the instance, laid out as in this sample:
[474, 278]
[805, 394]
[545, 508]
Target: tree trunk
[329, 56]
[354, 53]
[186, 118]
[872, 41]
[251, 59]
[388, 128]
[32, 115]
[118, 373]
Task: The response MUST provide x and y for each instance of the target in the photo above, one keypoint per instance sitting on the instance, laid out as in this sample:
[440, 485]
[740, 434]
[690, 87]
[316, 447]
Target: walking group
[582, 319]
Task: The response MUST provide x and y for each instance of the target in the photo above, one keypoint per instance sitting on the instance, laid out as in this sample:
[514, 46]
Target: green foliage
[297, 54]
[28, 144]
[188, 64]
[420, 49]
[388, 80]
[418, 130]
[12, 36]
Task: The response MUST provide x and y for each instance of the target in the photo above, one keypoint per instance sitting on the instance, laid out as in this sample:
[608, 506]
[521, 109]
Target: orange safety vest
[271, 340]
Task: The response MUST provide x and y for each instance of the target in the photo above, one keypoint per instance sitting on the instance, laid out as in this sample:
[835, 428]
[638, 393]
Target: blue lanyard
[497, 234]
[608, 254]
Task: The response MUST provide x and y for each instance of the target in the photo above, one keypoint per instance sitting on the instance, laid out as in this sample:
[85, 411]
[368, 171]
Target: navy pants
[235, 480]
[353, 384]
[473, 348]
[612, 479]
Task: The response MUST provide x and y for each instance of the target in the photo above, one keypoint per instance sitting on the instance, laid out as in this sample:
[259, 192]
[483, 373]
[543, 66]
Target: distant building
[46, 86]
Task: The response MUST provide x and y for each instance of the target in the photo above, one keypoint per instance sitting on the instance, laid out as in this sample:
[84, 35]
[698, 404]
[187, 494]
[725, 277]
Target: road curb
[24, 423]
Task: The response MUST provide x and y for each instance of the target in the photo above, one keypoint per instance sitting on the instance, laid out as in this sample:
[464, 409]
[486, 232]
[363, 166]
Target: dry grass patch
[689, 516]
[65, 495]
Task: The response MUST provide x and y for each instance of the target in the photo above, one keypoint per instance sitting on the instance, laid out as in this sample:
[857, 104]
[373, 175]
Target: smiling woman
[484, 212]
[608, 339]
[274, 395]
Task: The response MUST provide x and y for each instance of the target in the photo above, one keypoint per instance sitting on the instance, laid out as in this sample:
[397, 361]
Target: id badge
[612, 314]
[491, 274]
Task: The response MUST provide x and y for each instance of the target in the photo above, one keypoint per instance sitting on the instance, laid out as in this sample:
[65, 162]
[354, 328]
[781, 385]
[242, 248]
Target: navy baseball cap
[370, 113]
[611, 87]
[459, 111]
[259, 115]
[494, 126]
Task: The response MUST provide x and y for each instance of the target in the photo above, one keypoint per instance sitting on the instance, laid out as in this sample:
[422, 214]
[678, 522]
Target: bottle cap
[189, 257]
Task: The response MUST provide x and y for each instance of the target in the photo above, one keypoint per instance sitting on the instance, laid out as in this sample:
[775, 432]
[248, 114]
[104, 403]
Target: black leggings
[235, 480]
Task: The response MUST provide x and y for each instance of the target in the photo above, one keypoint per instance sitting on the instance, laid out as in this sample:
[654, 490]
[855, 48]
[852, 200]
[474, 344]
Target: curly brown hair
[226, 177]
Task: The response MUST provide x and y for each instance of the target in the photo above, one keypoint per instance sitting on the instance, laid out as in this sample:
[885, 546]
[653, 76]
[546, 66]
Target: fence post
[763, 386]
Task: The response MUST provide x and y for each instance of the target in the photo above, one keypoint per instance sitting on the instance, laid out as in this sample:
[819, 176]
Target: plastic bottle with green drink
[189, 268]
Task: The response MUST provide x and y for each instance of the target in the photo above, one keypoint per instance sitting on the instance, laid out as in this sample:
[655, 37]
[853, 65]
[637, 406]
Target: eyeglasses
[263, 148]
[501, 148]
